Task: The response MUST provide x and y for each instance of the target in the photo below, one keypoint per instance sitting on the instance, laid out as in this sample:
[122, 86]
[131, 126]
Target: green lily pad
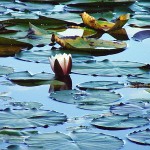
[148, 90]
[141, 14]
[132, 109]
[100, 2]
[24, 78]
[89, 99]
[8, 102]
[26, 105]
[140, 80]
[90, 45]
[75, 141]
[14, 136]
[102, 85]
[140, 137]
[116, 122]
[140, 21]
[4, 70]
[139, 100]
[41, 54]
[109, 68]
[22, 25]
[19, 119]
[9, 47]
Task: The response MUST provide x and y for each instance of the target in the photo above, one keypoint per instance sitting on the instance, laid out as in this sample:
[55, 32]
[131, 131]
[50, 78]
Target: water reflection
[66, 84]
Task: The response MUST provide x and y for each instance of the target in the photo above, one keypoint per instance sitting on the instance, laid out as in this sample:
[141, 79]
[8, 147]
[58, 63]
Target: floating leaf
[9, 47]
[103, 85]
[27, 79]
[30, 118]
[116, 122]
[37, 31]
[26, 105]
[4, 70]
[14, 136]
[104, 25]
[90, 99]
[92, 46]
[109, 68]
[131, 109]
[139, 100]
[140, 21]
[100, 2]
[141, 35]
[75, 141]
[140, 80]
[8, 102]
[41, 55]
[140, 137]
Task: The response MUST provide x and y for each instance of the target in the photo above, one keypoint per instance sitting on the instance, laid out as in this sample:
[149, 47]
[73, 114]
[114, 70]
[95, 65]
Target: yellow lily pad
[102, 25]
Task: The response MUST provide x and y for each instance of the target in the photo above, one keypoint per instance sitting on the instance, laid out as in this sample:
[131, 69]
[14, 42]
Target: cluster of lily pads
[33, 33]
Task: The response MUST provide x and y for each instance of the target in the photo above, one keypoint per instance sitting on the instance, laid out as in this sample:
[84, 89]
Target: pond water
[136, 51]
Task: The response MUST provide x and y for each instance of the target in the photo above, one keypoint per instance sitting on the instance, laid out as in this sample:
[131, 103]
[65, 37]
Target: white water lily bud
[61, 64]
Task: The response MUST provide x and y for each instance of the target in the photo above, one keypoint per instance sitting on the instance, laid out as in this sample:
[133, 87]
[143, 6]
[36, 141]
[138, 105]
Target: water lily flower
[61, 64]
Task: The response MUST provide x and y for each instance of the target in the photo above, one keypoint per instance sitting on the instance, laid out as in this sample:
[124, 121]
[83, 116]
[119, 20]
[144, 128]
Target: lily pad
[89, 99]
[14, 136]
[141, 35]
[140, 21]
[109, 68]
[102, 85]
[90, 45]
[139, 100]
[117, 122]
[4, 70]
[41, 54]
[100, 2]
[132, 109]
[19, 119]
[25, 105]
[140, 80]
[24, 78]
[75, 141]
[8, 102]
[9, 47]
[140, 137]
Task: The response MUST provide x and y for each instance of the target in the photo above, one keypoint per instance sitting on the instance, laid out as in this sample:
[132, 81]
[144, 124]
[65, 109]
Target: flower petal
[58, 69]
